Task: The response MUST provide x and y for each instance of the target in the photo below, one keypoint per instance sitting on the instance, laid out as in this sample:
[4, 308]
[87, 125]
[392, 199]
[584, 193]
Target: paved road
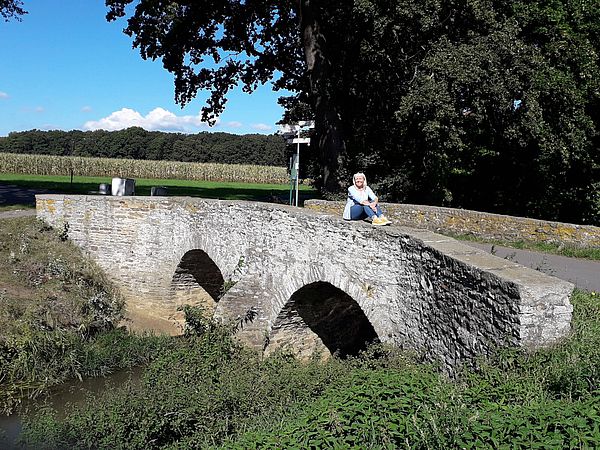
[17, 213]
[17, 195]
[584, 273]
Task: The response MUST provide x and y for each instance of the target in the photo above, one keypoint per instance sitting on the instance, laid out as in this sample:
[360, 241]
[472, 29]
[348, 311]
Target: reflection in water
[61, 399]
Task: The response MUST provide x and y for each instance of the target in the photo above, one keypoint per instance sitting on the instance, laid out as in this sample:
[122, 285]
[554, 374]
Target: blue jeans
[358, 212]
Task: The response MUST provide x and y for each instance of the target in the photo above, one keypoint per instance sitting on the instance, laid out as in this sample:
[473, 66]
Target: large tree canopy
[490, 105]
[216, 45]
[486, 104]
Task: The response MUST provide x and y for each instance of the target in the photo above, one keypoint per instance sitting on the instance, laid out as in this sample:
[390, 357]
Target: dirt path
[17, 213]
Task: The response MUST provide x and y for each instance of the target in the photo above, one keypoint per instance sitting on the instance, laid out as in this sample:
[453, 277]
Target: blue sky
[64, 67]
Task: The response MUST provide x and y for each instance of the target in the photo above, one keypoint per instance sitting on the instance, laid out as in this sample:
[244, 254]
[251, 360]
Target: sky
[64, 67]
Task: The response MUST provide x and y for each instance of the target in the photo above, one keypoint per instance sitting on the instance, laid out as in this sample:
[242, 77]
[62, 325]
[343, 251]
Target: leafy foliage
[208, 392]
[11, 9]
[213, 45]
[489, 105]
[478, 108]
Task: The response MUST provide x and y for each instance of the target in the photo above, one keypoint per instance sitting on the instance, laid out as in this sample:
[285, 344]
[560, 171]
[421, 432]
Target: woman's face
[359, 181]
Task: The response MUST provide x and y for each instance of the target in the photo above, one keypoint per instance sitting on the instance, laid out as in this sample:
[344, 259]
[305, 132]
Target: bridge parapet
[309, 280]
[479, 224]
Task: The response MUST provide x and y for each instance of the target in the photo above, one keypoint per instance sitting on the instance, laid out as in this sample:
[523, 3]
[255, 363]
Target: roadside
[17, 213]
[18, 195]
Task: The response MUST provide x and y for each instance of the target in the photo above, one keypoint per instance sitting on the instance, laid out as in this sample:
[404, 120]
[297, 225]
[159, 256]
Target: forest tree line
[137, 143]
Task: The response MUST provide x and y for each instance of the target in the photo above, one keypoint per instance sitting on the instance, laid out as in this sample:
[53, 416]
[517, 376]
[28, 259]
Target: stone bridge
[311, 281]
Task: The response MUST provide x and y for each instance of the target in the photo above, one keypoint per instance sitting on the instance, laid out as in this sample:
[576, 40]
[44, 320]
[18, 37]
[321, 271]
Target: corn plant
[130, 168]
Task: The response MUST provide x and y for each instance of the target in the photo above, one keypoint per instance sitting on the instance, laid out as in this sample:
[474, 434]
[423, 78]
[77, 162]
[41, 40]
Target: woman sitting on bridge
[362, 202]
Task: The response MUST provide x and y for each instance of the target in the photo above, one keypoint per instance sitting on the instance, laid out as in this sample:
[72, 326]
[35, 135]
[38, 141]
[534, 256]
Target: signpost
[291, 133]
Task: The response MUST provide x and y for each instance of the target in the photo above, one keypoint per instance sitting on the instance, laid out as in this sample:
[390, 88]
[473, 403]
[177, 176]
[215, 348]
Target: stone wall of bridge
[310, 281]
[479, 224]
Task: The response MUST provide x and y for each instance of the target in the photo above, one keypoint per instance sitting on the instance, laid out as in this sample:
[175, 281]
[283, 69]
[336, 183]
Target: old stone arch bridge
[312, 281]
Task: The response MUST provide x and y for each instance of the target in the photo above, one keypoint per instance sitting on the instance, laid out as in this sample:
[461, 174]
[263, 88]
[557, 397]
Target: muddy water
[61, 398]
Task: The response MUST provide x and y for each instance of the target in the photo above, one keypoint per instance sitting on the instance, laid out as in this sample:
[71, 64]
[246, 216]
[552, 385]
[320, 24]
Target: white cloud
[261, 126]
[157, 119]
[39, 109]
[3, 94]
[86, 108]
[234, 124]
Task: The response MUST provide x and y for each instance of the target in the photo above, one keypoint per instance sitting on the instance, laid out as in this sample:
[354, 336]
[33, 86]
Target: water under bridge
[311, 281]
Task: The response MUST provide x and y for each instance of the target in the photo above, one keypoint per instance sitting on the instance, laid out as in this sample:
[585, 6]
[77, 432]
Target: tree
[485, 104]
[11, 9]
[216, 45]
[490, 105]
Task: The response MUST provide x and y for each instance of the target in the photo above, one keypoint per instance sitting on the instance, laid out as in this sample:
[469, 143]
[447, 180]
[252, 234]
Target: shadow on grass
[23, 192]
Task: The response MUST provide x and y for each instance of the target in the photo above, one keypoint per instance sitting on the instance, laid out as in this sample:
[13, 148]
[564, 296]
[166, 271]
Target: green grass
[185, 188]
[592, 253]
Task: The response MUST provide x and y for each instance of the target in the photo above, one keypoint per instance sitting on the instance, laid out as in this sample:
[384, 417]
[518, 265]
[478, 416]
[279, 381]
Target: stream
[61, 398]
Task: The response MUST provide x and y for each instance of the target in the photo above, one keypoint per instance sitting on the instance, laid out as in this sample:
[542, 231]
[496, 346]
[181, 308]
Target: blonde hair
[359, 174]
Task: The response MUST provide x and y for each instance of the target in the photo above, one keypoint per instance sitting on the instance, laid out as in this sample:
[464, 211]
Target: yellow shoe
[385, 221]
[377, 221]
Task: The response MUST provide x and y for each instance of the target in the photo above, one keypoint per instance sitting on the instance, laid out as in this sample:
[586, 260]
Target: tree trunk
[328, 134]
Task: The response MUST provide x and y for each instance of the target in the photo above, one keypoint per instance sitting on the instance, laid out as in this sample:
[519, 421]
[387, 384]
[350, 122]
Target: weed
[233, 279]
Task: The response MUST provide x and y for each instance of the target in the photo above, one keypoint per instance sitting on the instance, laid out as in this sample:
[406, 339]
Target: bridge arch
[197, 280]
[321, 317]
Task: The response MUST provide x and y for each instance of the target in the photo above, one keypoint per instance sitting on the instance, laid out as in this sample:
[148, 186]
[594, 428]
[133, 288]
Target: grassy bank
[209, 392]
[58, 315]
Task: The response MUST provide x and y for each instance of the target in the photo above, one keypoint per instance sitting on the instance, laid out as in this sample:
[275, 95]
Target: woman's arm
[374, 200]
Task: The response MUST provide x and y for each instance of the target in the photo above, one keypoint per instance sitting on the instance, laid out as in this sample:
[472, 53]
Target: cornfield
[131, 168]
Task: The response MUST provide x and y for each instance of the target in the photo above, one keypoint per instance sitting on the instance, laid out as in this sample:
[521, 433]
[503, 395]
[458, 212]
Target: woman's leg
[384, 220]
[357, 212]
[369, 212]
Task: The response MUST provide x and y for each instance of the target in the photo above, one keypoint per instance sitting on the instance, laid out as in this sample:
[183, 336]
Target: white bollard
[123, 186]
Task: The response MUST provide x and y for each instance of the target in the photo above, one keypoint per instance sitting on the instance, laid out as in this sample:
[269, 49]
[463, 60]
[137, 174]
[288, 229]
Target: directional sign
[301, 141]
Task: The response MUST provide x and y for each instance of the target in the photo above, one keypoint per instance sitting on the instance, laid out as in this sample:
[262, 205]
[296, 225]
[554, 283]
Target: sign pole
[288, 132]
[297, 165]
